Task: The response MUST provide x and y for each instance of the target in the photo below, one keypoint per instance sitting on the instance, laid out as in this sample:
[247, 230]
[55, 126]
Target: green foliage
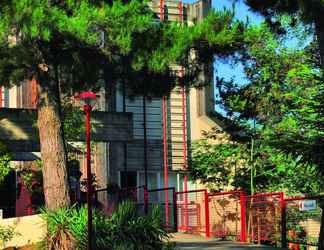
[60, 225]
[5, 159]
[219, 162]
[296, 221]
[65, 37]
[284, 97]
[125, 229]
[32, 178]
[307, 10]
[73, 121]
[215, 160]
[6, 234]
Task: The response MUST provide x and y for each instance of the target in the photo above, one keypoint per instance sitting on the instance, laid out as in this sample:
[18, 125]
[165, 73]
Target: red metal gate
[226, 210]
[193, 211]
[264, 213]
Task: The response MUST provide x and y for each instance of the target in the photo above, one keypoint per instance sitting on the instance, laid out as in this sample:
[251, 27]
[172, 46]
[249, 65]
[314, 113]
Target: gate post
[207, 214]
[243, 216]
[283, 221]
[175, 210]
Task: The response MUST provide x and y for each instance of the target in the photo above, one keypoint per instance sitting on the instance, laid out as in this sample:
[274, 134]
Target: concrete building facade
[164, 127]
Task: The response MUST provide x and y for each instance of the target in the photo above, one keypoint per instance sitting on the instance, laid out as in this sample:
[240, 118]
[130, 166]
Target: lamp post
[89, 100]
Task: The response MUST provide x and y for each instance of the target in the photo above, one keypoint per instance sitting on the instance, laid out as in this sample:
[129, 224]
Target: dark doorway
[8, 195]
[128, 179]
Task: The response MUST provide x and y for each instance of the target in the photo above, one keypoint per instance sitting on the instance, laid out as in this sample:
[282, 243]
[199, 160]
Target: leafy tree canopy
[284, 95]
[281, 108]
[82, 41]
[222, 164]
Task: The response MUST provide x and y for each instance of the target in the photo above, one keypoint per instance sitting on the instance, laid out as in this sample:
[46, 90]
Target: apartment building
[164, 127]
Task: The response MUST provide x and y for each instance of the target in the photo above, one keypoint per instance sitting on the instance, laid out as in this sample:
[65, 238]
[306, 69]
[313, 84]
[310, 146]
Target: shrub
[6, 234]
[5, 158]
[59, 230]
[124, 230]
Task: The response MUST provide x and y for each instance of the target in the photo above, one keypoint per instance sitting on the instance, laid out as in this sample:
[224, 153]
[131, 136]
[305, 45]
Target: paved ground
[191, 242]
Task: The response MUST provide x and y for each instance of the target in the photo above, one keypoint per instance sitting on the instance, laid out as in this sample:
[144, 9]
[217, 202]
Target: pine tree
[58, 43]
[308, 11]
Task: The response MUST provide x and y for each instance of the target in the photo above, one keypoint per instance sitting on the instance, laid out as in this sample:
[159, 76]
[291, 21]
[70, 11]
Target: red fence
[193, 211]
[264, 218]
[226, 220]
[264, 213]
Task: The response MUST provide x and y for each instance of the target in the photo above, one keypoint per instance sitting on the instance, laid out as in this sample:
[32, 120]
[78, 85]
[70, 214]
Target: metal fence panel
[264, 213]
[225, 211]
[303, 217]
[193, 211]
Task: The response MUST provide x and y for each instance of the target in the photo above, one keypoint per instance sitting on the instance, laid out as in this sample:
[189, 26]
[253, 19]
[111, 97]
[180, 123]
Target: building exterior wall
[28, 230]
[187, 116]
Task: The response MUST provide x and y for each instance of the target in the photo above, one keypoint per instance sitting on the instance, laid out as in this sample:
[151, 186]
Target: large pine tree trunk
[56, 188]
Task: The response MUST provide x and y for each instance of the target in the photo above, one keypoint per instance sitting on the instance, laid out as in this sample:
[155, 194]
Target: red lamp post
[89, 100]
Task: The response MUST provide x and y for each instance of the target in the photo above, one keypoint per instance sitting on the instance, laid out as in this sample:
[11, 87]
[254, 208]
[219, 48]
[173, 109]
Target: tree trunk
[56, 188]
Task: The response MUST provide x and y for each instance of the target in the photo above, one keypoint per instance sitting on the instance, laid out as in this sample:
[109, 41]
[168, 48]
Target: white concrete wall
[28, 230]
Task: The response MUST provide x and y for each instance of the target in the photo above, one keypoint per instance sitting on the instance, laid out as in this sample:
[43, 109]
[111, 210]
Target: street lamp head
[88, 98]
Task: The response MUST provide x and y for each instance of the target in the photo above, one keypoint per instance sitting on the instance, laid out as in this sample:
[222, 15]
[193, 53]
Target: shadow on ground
[193, 242]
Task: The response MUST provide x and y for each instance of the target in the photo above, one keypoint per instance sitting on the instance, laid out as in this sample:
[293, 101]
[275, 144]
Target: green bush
[124, 230]
[6, 234]
[5, 158]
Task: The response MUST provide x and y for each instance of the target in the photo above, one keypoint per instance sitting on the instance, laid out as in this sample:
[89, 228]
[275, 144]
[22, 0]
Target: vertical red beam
[184, 131]
[183, 94]
[34, 93]
[87, 109]
[0, 97]
[165, 151]
[162, 10]
[207, 214]
[185, 183]
[243, 216]
[283, 221]
[165, 143]
[184, 120]
[180, 7]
